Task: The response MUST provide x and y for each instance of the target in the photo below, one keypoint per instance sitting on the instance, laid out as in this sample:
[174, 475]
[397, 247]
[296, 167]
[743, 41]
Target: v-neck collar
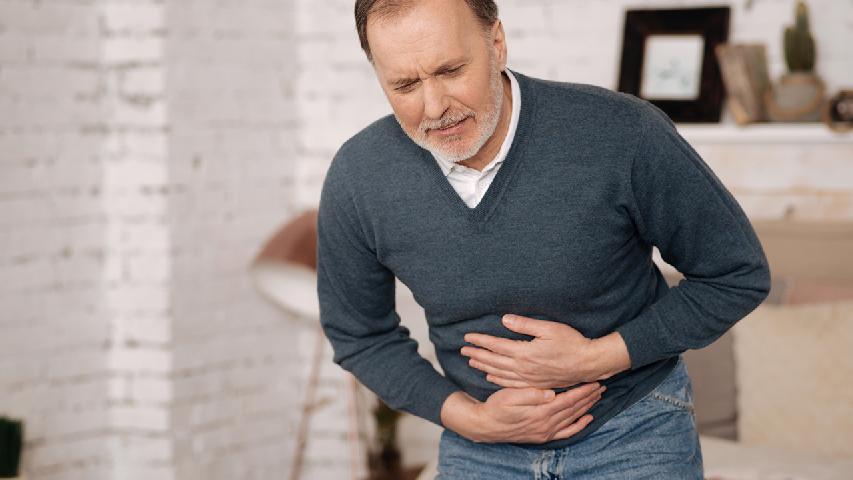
[482, 211]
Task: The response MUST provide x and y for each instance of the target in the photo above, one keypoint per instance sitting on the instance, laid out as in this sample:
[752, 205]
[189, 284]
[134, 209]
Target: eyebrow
[444, 68]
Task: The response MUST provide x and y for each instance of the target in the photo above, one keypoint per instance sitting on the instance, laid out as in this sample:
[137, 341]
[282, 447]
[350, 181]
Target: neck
[493, 144]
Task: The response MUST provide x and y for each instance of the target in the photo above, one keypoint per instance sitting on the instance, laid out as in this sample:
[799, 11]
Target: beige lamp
[285, 272]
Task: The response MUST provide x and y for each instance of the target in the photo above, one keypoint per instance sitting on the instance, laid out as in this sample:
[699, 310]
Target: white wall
[62, 284]
[147, 148]
[232, 123]
[146, 151]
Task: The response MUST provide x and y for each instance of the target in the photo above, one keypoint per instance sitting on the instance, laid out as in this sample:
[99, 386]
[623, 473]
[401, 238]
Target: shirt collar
[448, 166]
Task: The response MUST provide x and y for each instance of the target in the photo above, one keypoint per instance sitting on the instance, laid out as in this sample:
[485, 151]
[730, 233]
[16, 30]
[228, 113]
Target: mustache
[445, 121]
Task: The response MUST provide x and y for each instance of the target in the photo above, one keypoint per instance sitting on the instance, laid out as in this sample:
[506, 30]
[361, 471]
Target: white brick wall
[54, 330]
[232, 130]
[145, 153]
[147, 148]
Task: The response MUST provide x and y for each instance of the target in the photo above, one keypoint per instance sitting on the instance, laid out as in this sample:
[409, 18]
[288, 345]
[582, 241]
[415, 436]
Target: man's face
[441, 75]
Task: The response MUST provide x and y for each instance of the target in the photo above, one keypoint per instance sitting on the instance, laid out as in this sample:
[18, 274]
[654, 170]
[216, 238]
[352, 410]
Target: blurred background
[150, 148]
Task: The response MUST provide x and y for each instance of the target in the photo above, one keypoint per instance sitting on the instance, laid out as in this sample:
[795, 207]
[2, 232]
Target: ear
[499, 43]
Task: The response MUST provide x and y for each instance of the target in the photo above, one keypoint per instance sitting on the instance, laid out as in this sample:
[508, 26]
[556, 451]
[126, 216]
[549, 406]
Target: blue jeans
[654, 438]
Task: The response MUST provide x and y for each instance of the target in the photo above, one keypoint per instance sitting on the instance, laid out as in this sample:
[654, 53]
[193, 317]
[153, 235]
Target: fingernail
[548, 394]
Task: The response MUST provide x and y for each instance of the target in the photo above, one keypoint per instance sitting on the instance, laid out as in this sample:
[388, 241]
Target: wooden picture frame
[668, 59]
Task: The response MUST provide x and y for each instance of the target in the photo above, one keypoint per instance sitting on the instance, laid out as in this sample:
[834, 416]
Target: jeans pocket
[676, 390]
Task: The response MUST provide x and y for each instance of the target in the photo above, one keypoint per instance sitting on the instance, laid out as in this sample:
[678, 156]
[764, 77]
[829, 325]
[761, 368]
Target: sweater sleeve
[357, 312]
[679, 205]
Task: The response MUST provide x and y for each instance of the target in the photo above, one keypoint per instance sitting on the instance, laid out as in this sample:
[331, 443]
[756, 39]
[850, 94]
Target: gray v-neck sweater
[593, 179]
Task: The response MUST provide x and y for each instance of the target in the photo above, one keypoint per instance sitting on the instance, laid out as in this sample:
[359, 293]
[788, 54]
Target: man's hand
[558, 356]
[525, 415]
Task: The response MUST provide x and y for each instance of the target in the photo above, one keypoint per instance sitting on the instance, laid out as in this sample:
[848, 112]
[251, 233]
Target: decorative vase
[796, 97]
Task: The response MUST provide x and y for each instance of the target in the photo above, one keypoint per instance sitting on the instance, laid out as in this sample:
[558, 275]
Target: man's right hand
[522, 415]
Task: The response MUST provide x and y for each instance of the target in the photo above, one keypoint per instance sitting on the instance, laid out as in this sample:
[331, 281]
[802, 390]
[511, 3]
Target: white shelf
[798, 133]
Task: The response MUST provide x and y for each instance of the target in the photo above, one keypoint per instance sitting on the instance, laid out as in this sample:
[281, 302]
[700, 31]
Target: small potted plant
[11, 440]
[383, 456]
[798, 96]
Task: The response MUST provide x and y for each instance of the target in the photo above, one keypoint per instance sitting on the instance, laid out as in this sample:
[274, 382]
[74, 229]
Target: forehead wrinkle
[413, 45]
[442, 68]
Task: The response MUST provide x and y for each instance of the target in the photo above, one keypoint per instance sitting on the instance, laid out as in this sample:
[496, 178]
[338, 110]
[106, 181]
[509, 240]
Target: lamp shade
[285, 269]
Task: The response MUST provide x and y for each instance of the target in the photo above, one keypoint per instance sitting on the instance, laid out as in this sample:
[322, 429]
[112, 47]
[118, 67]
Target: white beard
[486, 123]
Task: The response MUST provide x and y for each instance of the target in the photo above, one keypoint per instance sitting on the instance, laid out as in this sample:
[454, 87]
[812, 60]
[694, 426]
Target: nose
[436, 101]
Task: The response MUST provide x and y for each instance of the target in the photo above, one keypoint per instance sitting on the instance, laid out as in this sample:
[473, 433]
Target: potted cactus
[11, 440]
[799, 94]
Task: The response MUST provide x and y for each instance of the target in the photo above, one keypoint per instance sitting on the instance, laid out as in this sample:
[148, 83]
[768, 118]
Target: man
[522, 213]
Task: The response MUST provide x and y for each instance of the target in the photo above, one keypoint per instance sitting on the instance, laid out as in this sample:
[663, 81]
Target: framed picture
[668, 59]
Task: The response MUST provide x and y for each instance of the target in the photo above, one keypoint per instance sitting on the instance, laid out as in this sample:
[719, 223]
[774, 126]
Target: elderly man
[522, 213]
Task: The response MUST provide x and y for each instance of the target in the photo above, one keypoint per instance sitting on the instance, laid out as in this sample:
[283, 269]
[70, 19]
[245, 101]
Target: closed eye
[406, 87]
[409, 86]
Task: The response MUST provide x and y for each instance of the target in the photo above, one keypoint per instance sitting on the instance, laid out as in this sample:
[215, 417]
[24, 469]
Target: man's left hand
[558, 356]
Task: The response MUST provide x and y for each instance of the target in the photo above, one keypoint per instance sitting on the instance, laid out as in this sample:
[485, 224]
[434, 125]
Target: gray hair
[485, 10]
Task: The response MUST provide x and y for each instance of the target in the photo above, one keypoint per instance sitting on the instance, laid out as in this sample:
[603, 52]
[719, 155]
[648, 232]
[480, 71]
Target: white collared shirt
[470, 183]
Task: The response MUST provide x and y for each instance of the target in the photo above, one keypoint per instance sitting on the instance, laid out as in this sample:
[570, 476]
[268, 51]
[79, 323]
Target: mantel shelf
[784, 133]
